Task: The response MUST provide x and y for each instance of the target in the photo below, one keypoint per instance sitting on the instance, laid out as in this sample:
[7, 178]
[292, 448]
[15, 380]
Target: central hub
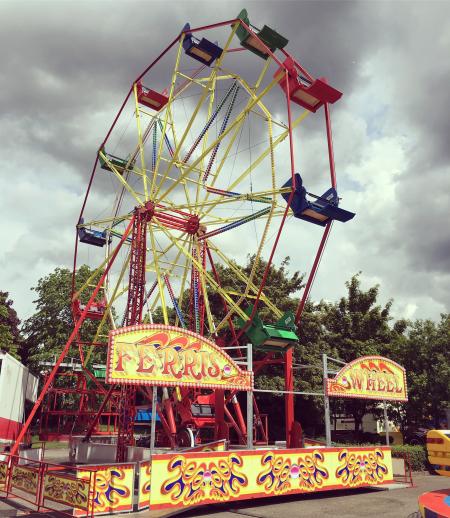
[175, 219]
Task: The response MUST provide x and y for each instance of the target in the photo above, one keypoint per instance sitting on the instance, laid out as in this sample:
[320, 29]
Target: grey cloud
[69, 65]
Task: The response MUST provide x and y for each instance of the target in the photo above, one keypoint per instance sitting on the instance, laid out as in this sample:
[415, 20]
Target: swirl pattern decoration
[283, 474]
[217, 480]
[361, 467]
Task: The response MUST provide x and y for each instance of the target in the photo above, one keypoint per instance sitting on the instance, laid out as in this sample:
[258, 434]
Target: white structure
[16, 386]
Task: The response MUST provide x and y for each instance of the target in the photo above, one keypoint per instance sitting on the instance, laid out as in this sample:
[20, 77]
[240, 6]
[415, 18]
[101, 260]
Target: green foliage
[417, 455]
[47, 331]
[353, 327]
[10, 339]
[425, 354]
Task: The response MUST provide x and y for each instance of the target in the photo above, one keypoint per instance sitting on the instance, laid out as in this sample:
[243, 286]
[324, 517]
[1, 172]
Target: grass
[49, 445]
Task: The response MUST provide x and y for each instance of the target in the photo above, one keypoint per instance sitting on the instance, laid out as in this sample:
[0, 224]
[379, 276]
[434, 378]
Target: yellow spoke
[209, 278]
[196, 110]
[158, 276]
[120, 178]
[238, 119]
[164, 129]
[140, 141]
[239, 273]
[108, 309]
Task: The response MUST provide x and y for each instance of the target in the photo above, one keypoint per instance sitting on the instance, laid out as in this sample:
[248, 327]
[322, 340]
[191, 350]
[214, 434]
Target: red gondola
[150, 98]
[309, 94]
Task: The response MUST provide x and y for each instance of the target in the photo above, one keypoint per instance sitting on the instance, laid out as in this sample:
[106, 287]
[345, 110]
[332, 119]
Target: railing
[401, 467]
[49, 487]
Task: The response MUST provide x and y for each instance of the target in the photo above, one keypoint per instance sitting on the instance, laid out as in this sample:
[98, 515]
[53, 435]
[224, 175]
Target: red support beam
[219, 414]
[330, 145]
[68, 344]
[99, 413]
[289, 398]
[312, 273]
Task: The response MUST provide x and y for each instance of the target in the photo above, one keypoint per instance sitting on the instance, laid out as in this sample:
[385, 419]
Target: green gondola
[120, 164]
[268, 337]
[268, 36]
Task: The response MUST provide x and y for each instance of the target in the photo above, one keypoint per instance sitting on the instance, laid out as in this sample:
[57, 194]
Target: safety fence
[76, 490]
[48, 487]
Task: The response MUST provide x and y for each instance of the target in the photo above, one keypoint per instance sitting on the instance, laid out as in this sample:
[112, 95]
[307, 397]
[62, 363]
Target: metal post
[386, 423]
[249, 400]
[289, 396]
[153, 424]
[326, 401]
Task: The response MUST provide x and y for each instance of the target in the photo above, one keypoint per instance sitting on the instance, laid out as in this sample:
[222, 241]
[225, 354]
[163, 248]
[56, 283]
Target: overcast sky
[67, 65]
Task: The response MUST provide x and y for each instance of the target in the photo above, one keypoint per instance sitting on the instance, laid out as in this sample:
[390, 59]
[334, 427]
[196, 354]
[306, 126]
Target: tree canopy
[46, 332]
[425, 354]
[10, 339]
[354, 326]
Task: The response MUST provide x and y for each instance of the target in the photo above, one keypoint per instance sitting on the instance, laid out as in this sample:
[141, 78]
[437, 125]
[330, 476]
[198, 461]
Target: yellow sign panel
[154, 354]
[370, 377]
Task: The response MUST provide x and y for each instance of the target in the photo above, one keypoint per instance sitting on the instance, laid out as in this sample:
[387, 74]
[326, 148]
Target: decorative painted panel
[145, 470]
[66, 490]
[181, 480]
[114, 486]
[25, 479]
[3, 473]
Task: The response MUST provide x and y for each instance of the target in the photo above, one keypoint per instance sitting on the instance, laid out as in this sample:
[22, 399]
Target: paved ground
[397, 503]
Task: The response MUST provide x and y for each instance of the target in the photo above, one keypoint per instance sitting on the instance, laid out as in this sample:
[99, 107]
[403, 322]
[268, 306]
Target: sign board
[369, 377]
[154, 354]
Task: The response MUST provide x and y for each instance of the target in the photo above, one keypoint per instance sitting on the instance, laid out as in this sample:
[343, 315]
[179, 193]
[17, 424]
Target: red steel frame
[73, 420]
[136, 295]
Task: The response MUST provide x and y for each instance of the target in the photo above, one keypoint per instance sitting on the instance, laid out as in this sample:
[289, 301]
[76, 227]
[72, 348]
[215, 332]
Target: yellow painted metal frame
[204, 205]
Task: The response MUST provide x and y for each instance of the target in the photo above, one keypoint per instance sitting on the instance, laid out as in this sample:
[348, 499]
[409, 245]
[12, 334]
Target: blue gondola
[91, 237]
[202, 50]
[320, 211]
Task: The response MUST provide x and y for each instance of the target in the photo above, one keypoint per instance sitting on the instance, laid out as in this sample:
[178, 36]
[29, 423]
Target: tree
[10, 339]
[47, 331]
[425, 354]
[357, 326]
[309, 373]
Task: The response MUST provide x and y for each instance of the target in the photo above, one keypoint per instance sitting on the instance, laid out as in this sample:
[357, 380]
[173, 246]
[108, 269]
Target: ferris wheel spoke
[237, 120]
[205, 139]
[200, 249]
[140, 141]
[238, 128]
[244, 278]
[166, 118]
[208, 277]
[196, 111]
[175, 157]
[108, 311]
[186, 270]
[121, 179]
[158, 274]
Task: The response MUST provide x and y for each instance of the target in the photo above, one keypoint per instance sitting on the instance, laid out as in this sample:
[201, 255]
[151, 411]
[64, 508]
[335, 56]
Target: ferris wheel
[197, 173]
